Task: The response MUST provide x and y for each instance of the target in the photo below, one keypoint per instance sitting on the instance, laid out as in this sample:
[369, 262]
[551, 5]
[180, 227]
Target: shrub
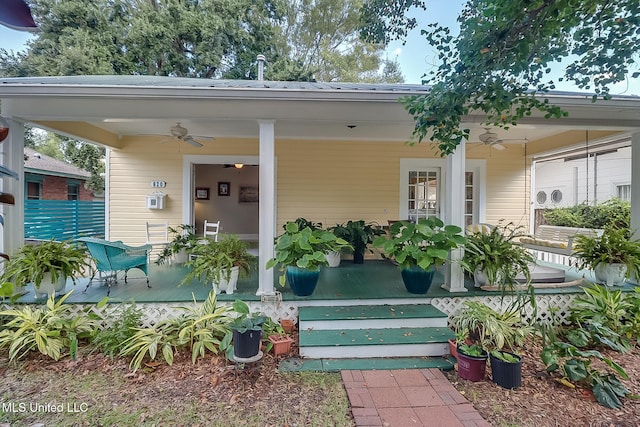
[123, 326]
[613, 212]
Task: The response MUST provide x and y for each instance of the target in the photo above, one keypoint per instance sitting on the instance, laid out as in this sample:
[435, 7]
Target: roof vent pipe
[261, 59]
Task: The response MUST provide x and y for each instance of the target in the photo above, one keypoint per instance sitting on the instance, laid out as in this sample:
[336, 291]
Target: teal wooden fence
[62, 219]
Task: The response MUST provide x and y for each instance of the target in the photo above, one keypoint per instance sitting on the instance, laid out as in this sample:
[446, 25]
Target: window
[423, 193]
[556, 196]
[541, 197]
[73, 191]
[468, 199]
[624, 192]
[34, 190]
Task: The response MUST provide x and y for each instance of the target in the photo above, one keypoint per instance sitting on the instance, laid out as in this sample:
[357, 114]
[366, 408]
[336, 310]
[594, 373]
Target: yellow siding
[142, 160]
[323, 181]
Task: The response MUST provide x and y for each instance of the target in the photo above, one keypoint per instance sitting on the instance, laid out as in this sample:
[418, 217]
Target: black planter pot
[471, 368]
[506, 374]
[417, 280]
[246, 344]
[358, 257]
[302, 281]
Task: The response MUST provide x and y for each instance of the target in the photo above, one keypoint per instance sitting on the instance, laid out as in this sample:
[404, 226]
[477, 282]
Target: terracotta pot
[288, 325]
[453, 347]
[281, 344]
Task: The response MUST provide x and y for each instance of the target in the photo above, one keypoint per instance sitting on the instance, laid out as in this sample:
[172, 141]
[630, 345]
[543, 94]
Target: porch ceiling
[107, 113]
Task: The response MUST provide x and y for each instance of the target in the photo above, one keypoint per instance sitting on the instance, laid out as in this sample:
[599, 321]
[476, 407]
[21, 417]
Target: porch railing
[63, 219]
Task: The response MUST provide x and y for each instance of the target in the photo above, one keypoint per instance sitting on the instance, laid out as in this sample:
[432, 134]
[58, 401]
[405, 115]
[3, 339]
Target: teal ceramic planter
[302, 281]
[417, 280]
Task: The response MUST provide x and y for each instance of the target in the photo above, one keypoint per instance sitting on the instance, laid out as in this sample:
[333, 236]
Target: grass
[209, 393]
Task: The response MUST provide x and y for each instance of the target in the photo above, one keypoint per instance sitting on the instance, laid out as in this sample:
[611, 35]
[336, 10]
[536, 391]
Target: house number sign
[158, 184]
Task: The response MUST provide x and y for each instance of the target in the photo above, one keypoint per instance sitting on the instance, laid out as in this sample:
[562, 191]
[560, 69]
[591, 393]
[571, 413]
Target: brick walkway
[408, 397]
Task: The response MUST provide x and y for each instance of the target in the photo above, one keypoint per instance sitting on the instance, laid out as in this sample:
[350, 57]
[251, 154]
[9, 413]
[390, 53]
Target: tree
[501, 60]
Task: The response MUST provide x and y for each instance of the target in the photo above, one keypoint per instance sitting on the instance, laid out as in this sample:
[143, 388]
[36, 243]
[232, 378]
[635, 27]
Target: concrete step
[364, 343]
[371, 316]
[372, 363]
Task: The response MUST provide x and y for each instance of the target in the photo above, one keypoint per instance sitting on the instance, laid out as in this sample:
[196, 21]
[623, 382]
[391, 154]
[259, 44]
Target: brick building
[46, 178]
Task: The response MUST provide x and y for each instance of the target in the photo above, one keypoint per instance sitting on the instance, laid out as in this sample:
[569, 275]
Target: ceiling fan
[182, 133]
[491, 139]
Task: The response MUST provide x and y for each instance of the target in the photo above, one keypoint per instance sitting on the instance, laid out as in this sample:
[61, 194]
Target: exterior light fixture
[238, 165]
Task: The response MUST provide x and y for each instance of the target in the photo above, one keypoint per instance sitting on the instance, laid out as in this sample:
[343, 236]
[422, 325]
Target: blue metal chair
[112, 257]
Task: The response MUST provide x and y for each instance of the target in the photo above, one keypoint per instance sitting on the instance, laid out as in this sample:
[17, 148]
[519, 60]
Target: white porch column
[635, 184]
[267, 209]
[454, 214]
[12, 157]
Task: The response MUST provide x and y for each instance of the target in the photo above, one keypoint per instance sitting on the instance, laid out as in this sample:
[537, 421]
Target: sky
[415, 56]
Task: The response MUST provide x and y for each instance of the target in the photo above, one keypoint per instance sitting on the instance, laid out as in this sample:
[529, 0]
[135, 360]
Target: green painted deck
[360, 312]
[375, 279]
[376, 363]
[358, 337]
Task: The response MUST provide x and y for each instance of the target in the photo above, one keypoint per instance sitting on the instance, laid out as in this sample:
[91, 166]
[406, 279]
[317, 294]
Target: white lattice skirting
[552, 308]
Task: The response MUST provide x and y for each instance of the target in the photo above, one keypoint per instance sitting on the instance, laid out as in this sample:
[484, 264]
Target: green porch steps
[373, 331]
[372, 363]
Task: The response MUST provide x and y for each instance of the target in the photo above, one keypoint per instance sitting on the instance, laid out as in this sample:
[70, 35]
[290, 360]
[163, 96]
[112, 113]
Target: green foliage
[613, 247]
[304, 248]
[498, 254]
[505, 356]
[473, 350]
[503, 55]
[214, 260]
[359, 234]
[270, 327]
[244, 320]
[490, 329]
[31, 262]
[604, 316]
[49, 330]
[612, 213]
[302, 40]
[575, 365]
[123, 323]
[199, 329]
[303, 223]
[183, 237]
[426, 243]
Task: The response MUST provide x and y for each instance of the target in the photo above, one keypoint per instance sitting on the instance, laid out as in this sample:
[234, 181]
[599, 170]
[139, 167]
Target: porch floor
[375, 279]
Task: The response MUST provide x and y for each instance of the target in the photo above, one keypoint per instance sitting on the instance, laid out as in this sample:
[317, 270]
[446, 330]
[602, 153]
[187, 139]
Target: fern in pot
[614, 256]
[183, 241]
[47, 265]
[220, 263]
[496, 258]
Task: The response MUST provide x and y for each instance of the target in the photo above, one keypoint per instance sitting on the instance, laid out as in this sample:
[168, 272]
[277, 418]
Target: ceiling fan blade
[191, 141]
[498, 146]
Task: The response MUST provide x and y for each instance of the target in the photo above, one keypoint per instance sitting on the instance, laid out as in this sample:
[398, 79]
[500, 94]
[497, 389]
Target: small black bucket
[246, 344]
[506, 374]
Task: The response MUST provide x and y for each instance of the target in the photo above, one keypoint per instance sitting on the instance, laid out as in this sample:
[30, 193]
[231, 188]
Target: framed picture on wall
[202, 193]
[224, 188]
[248, 194]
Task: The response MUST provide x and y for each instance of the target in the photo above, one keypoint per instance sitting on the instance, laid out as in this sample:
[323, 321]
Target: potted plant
[333, 257]
[219, 263]
[472, 361]
[47, 265]
[300, 253]
[359, 234]
[418, 248]
[246, 333]
[506, 368]
[612, 256]
[479, 325]
[184, 239]
[495, 257]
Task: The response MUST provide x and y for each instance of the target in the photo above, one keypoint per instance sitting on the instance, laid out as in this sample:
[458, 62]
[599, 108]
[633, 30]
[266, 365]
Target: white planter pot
[611, 274]
[333, 258]
[225, 285]
[480, 278]
[47, 287]
[180, 257]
